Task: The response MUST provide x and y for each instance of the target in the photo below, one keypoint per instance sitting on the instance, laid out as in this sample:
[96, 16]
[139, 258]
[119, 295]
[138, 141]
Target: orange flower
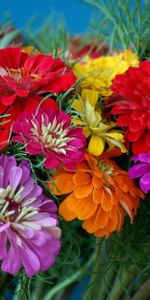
[100, 194]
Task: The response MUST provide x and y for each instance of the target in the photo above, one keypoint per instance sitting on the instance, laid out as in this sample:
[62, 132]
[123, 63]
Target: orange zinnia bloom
[100, 194]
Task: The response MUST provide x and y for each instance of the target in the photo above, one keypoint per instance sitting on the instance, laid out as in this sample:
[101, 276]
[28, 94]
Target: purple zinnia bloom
[141, 169]
[29, 234]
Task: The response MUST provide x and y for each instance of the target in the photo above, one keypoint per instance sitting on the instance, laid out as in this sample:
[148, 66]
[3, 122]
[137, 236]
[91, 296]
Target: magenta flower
[142, 170]
[49, 132]
[29, 235]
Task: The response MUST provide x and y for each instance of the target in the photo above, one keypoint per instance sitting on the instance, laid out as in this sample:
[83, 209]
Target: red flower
[24, 80]
[79, 48]
[131, 102]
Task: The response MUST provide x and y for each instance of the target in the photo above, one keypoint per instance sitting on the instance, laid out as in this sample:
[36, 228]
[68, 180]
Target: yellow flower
[31, 50]
[97, 74]
[98, 131]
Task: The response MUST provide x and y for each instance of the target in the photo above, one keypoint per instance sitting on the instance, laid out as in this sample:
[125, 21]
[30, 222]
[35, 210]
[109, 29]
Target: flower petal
[96, 145]
[145, 182]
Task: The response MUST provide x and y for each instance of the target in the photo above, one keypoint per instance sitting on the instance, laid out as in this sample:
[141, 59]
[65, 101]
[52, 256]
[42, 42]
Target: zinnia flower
[29, 235]
[80, 47]
[141, 170]
[24, 79]
[49, 132]
[131, 103]
[97, 74]
[100, 194]
[98, 130]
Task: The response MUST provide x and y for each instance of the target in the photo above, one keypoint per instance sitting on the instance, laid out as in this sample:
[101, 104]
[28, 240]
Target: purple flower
[29, 235]
[141, 169]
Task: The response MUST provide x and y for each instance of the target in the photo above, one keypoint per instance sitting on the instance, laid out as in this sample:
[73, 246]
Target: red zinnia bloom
[25, 78]
[80, 48]
[131, 102]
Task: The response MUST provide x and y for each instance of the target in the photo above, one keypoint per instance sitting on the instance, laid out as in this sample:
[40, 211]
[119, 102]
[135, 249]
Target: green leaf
[8, 38]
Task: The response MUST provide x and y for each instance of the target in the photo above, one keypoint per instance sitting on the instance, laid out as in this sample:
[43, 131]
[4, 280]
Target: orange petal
[106, 201]
[89, 225]
[97, 183]
[80, 178]
[127, 205]
[114, 212]
[125, 188]
[82, 167]
[97, 195]
[63, 184]
[65, 212]
[100, 232]
[112, 225]
[98, 173]
[135, 203]
[120, 217]
[112, 153]
[83, 208]
[101, 218]
[133, 191]
[82, 191]
[98, 220]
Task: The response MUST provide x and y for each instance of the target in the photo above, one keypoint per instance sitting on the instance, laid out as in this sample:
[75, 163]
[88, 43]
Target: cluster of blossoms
[104, 108]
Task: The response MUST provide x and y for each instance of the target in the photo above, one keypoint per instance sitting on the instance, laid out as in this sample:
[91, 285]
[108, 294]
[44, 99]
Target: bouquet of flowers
[75, 166]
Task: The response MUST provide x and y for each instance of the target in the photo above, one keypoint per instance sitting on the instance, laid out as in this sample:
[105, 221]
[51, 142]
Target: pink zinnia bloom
[141, 170]
[49, 132]
[29, 235]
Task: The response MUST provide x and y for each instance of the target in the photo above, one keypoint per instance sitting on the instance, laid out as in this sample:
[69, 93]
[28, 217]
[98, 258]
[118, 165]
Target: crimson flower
[131, 103]
[48, 132]
[79, 48]
[24, 80]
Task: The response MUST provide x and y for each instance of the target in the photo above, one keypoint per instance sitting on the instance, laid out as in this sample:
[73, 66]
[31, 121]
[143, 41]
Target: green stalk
[38, 289]
[68, 281]
[121, 283]
[96, 288]
[23, 290]
[144, 292]
[107, 281]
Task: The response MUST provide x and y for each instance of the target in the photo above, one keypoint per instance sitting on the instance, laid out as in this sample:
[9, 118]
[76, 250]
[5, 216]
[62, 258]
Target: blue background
[75, 13]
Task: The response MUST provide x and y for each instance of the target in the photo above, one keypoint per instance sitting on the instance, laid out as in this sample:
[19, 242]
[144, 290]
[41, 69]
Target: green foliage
[123, 24]
[6, 39]
[48, 38]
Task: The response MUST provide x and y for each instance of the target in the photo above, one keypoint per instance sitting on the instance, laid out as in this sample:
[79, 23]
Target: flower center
[53, 136]
[15, 73]
[10, 207]
[18, 74]
[105, 168]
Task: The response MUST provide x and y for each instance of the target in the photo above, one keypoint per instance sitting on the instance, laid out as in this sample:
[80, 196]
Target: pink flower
[141, 170]
[29, 235]
[49, 132]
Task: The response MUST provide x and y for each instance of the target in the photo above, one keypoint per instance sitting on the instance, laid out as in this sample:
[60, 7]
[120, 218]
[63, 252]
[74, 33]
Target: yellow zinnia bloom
[98, 131]
[97, 74]
[31, 50]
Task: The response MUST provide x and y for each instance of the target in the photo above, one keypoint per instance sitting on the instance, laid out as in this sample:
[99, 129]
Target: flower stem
[106, 283]
[75, 277]
[144, 292]
[121, 282]
[96, 289]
